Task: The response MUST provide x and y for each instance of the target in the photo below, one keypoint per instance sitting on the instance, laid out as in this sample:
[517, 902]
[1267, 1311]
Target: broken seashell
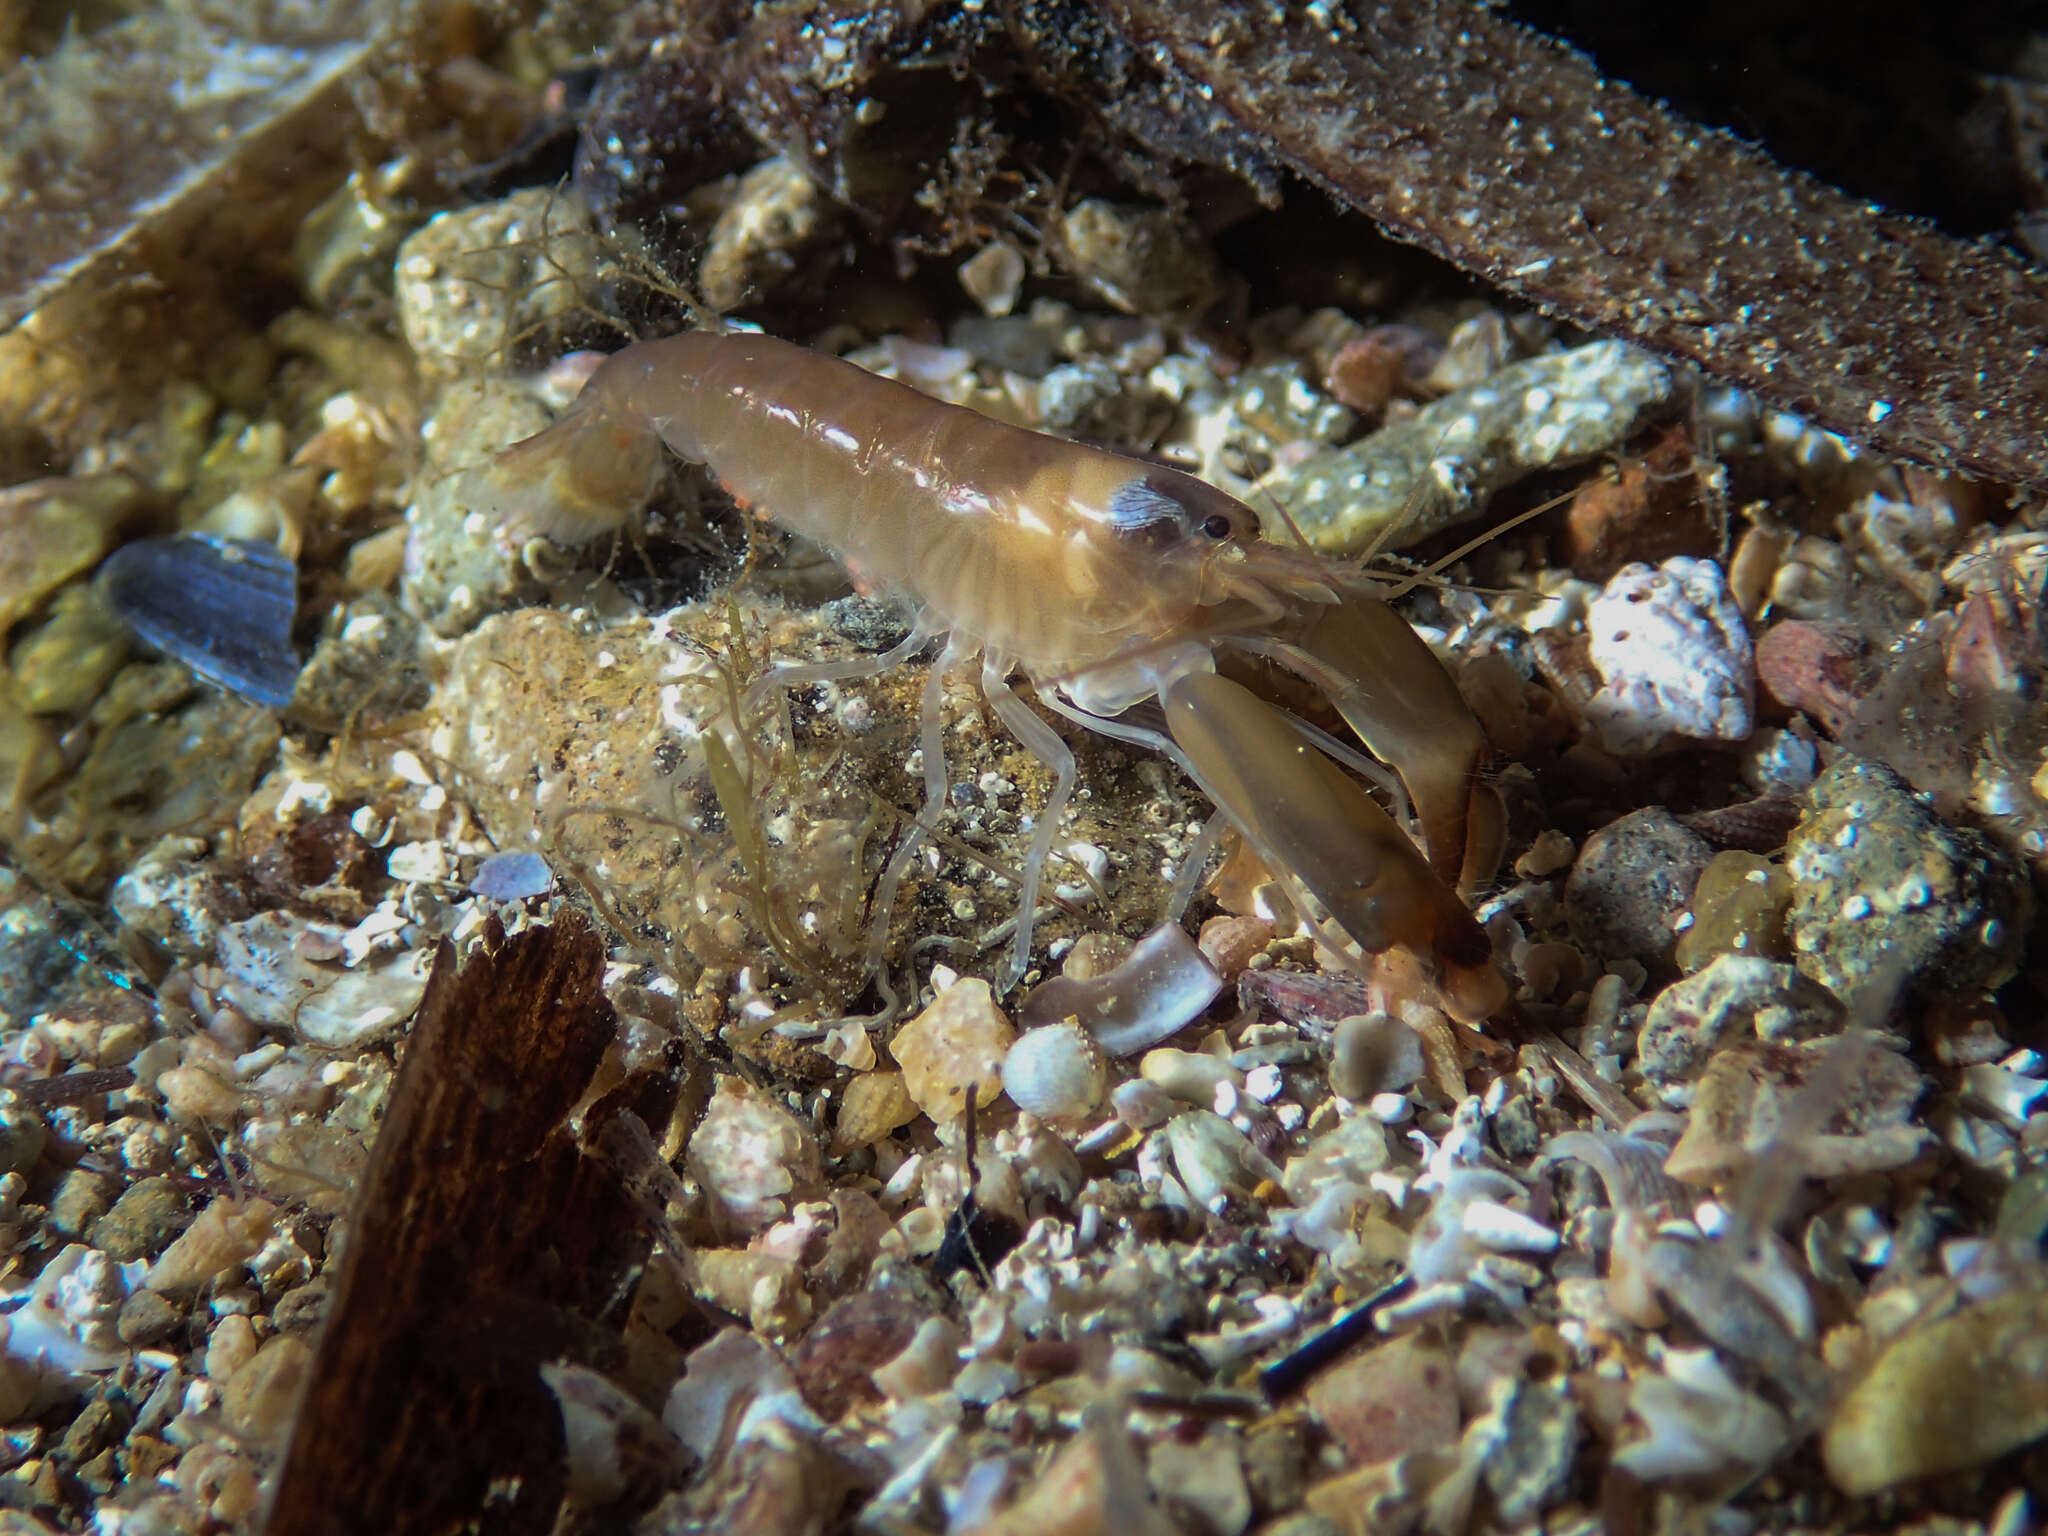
[1055, 1072]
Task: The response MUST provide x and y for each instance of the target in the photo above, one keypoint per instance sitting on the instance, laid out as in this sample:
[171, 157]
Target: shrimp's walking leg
[785, 675]
[1391, 689]
[1043, 743]
[1316, 827]
[1190, 875]
[931, 727]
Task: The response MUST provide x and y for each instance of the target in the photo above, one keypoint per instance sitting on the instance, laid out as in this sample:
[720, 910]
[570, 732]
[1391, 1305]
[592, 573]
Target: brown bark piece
[485, 1242]
[1505, 152]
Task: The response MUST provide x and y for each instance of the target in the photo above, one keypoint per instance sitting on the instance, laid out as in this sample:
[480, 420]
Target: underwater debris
[1691, 234]
[477, 1157]
[1887, 899]
[1441, 467]
[222, 606]
[228, 111]
[1154, 993]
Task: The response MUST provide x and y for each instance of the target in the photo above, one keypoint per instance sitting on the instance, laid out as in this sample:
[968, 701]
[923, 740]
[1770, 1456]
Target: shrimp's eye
[1217, 526]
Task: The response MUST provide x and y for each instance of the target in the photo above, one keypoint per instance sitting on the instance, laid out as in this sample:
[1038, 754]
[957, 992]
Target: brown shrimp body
[1055, 554]
[1106, 579]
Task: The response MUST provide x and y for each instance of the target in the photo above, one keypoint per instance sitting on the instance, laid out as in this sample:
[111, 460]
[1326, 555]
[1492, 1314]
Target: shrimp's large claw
[1317, 829]
[1391, 689]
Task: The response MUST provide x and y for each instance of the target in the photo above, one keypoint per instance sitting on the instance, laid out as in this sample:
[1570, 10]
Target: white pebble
[1390, 1108]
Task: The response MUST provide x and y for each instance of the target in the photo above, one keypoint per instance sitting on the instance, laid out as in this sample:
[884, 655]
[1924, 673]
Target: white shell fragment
[1674, 656]
[1699, 1421]
[1055, 1071]
[272, 978]
[1162, 986]
[1214, 1158]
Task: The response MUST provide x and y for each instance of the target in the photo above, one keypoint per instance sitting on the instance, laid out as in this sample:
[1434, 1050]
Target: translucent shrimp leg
[785, 675]
[931, 731]
[803, 674]
[1316, 828]
[1043, 743]
[1190, 875]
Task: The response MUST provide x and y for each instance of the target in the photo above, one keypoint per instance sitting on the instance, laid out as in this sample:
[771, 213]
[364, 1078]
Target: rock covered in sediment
[960, 1041]
[1736, 997]
[1530, 1458]
[1442, 465]
[1951, 1394]
[753, 1157]
[476, 283]
[1632, 885]
[1887, 898]
[773, 225]
[1139, 257]
[459, 568]
[1755, 1099]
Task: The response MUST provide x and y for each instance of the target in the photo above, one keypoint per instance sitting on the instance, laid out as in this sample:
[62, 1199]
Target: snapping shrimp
[1105, 579]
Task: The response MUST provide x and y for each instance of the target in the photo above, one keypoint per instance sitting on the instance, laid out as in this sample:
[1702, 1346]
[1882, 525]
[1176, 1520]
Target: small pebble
[1947, 1395]
[259, 1398]
[1632, 883]
[1374, 1053]
[993, 277]
[233, 1344]
[1190, 1076]
[141, 1222]
[146, 1319]
[224, 1234]
[1231, 943]
[961, 1039]
[1389, 1401]
[1390, 1108]
[81, 1199]
[753, 1157]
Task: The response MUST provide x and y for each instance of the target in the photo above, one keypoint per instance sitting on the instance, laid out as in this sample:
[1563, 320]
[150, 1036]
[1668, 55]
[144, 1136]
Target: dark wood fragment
[1505, 152]
[484, 1243]
[74, 1087]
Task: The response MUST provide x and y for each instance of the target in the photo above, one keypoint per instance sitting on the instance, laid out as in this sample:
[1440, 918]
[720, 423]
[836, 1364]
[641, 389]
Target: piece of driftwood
[485, 1243]
[1507, 153]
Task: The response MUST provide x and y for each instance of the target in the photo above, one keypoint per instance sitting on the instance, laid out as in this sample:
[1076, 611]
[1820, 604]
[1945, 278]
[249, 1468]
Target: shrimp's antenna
[1287, 518]
[1392, 529]
[1437, 567]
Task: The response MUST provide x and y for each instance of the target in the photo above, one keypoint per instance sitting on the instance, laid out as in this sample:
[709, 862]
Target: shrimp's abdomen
[968, 518]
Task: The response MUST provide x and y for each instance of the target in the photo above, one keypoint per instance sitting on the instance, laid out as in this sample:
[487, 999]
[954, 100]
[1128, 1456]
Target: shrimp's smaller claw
[1390, 688]
[1367, 887]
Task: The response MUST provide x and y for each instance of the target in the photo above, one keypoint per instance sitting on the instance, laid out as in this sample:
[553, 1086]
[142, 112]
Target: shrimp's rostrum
[1106, 580]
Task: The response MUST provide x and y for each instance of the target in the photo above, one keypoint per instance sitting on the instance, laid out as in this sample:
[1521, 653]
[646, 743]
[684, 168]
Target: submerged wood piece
[485, 1243]
[235, 116]
[1505, 152]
